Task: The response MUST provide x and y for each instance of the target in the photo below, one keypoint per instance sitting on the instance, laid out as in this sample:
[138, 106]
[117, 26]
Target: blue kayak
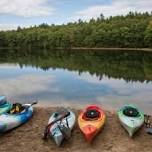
[10, 121]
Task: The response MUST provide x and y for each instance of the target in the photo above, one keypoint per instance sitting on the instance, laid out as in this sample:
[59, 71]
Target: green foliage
[133, 31]
[148, 35]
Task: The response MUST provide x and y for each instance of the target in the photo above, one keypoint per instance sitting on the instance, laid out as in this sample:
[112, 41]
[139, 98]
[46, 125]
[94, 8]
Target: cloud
[26, 8]
[119, 87]
[27, 84]
[116, 7]
[6, 26]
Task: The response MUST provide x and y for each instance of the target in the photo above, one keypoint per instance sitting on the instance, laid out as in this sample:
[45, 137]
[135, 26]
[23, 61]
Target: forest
[133, 30]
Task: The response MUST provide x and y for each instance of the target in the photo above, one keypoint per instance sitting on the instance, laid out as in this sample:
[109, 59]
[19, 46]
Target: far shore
[119, 49]
[112, 138]
[89, 48]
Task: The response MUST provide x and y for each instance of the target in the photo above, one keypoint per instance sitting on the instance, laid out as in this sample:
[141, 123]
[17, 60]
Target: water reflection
[78, 78]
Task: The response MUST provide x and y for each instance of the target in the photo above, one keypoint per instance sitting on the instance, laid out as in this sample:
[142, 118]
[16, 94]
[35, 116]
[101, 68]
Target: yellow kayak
[90, 121]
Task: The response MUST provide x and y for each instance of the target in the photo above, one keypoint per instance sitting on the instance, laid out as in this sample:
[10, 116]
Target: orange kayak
[90, 121]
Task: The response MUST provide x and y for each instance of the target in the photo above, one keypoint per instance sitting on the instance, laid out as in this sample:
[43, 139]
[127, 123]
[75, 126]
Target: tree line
[133, 30]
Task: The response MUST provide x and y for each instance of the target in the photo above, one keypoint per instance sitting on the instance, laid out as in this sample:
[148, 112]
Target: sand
[113, 138]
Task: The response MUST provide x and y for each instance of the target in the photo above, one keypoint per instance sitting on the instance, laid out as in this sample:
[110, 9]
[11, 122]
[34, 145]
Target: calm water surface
[76, 78]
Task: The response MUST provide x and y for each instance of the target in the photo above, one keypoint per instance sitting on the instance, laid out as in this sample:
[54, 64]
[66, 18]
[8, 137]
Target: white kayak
[131, 118]
[10, 121]
[62, 128]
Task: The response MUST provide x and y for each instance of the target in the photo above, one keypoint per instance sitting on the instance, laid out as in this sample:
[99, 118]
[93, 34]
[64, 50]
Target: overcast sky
[30, 12]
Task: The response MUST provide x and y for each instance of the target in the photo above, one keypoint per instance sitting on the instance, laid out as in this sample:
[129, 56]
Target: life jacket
[16, 108]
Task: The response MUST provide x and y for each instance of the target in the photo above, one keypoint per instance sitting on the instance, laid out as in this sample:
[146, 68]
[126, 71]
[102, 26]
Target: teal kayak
[5, 106]
[131, 118]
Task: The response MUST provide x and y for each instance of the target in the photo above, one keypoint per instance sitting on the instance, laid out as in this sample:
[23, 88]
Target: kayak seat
[2, 101]
[56, 114]
[17, 108]
[91, 114]
[131, 112]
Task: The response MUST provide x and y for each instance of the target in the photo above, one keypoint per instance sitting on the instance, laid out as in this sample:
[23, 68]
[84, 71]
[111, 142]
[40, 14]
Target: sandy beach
[113, 138]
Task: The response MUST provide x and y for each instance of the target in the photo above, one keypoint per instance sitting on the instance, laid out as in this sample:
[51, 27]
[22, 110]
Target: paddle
[62, 115]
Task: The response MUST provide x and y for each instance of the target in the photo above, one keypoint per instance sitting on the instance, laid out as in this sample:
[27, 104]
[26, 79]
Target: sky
[14, 13]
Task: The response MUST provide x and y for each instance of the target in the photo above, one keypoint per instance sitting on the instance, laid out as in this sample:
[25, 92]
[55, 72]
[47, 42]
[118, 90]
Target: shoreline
[93, 49]
[114, 49]
[113, 138]
[108, 108]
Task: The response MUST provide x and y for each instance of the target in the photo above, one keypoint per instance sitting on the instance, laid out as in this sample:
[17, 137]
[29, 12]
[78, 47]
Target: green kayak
[131, 118]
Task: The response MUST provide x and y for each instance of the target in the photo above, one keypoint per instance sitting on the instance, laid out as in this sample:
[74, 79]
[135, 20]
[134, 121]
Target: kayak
[131, 118]
[60, 127]
[10, 121]
[5, 106]
[90, 121]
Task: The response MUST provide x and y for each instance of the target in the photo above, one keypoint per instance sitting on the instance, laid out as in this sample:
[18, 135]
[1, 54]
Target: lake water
[78, 78]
